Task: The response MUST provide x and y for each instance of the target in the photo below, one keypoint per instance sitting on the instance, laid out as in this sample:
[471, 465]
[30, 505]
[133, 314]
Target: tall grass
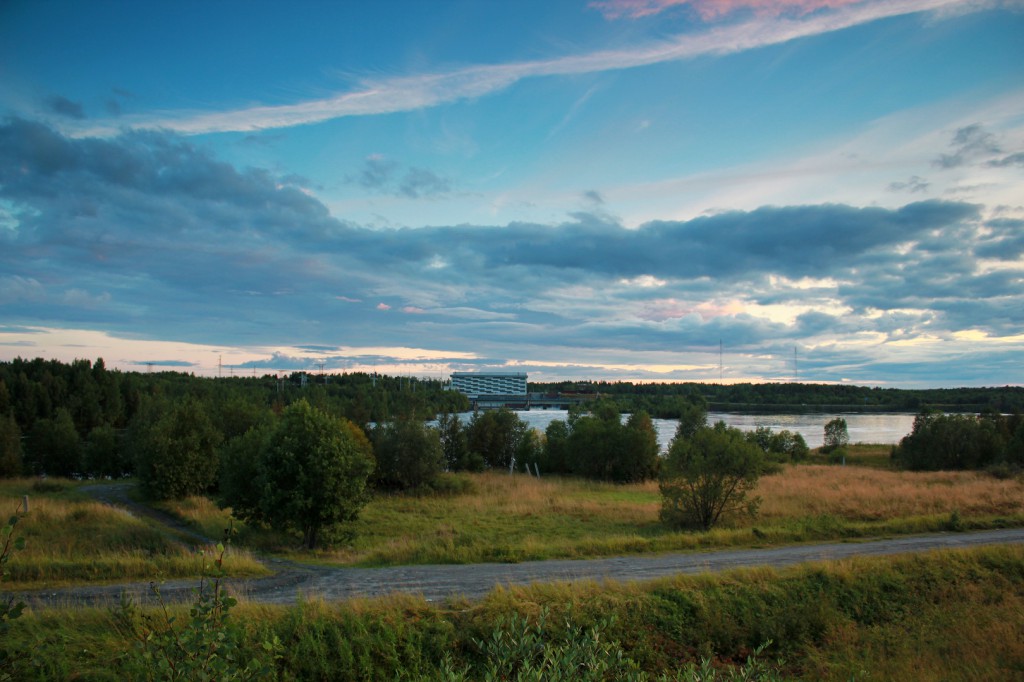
[516, 518]
[951, 615]
[71, 538]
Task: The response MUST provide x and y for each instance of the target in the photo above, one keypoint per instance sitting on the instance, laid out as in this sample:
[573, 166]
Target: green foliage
[9, 608]
[408, 453]
[455, 445]
[54, 447]
[310, 474]
[707, 476]
[10, 447]
[784, 446]
[497, 437]
[517, 649]
[103, 455]
[598, 445]
[836, 435]
[960, 441]
[179, 455]
[207, 646]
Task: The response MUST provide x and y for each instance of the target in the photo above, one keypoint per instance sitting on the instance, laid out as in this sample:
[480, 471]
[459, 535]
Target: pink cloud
[383, 306]
[709, 10]
[413, 310]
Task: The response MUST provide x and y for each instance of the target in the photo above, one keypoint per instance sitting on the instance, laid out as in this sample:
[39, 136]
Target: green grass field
[71, 538]
[951, 615]
[517, 518]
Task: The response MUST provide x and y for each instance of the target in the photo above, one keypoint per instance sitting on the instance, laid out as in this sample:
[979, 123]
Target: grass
[950, 615]
[71, 538]
[518, 518]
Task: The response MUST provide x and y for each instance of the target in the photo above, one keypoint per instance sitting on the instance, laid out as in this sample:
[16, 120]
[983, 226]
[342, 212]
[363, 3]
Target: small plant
[208, 646]
[955, 523]
[9, 608]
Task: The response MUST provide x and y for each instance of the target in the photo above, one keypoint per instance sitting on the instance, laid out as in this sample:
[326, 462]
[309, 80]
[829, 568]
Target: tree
[709, 475]
[178, 455]
[103, 453]
[310, 476]
[836, 435]
[496, 436]
[950, 441]
[408, 454]
[10, 447]
[54, 446]
[455, 445]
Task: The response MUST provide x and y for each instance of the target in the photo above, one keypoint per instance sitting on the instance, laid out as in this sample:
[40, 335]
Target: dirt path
[292, 582]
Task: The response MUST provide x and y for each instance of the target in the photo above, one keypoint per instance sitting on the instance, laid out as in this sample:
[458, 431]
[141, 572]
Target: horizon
[656, 191]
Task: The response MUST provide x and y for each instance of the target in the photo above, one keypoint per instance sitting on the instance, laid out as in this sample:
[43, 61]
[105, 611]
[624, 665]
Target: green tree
[54, 447]
[496, 436]
[950, 441]
[311, 477]
[455, 444]
[10, 447]
[179, 454]
[556, 456]
[836, 435]
[408, 453]
[103, 455]
[709, 475]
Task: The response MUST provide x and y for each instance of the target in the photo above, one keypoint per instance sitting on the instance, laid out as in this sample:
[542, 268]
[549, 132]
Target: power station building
[474, 384]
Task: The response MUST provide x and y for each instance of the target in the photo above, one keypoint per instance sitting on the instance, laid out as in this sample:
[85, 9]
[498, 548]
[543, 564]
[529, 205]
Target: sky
[641, 190]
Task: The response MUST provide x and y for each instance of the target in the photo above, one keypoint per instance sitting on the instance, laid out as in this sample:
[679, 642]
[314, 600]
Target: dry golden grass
[863, 494]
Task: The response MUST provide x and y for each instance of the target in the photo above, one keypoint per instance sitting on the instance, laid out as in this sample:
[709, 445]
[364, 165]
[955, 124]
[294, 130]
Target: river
[863, 428]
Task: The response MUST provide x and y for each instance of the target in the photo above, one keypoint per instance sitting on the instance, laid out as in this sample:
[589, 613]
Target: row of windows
[472, 384]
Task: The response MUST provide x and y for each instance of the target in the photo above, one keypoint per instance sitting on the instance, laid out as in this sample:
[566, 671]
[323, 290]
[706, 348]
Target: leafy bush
[709, 475]
[207, 646]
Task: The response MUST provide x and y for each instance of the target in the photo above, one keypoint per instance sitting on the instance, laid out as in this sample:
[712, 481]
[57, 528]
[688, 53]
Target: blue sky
[609, 190]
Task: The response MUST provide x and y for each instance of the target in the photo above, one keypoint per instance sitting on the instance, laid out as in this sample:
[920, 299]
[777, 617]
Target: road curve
[293, 582]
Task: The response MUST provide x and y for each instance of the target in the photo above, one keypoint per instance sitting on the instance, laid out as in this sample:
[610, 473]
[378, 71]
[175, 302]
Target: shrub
[709, 475]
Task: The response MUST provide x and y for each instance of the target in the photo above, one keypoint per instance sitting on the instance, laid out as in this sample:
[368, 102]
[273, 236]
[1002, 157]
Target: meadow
[950, 615]
[71, 538]
[502, 517]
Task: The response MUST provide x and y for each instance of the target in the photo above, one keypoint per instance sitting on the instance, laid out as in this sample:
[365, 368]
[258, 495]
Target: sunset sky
[646, 190]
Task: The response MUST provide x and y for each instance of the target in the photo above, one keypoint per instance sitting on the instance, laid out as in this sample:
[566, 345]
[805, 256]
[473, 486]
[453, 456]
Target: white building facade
[474, 384]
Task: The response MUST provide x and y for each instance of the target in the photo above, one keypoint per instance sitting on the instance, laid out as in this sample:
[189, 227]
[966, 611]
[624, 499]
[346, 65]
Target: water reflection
[863, 428]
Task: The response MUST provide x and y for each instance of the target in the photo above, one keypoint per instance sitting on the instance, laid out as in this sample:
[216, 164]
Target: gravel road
[292, 582]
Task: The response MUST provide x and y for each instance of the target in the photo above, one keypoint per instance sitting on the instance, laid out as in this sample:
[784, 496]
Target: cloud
[419, 182]
[912, 185]
[377, 172]
[62, 106]
[146, 233]
[970, 143]
[713, 9]
[1011, 160]
[419, 91]
[381, 174]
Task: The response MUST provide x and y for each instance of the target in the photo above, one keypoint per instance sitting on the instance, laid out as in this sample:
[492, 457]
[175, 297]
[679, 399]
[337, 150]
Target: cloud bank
[147, 231]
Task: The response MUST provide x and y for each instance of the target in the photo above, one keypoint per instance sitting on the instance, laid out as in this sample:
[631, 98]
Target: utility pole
[719, 360]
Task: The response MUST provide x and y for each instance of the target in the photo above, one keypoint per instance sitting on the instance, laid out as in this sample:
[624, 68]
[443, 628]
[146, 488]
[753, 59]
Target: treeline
[958, 441]
[665, 401]
[80, 418]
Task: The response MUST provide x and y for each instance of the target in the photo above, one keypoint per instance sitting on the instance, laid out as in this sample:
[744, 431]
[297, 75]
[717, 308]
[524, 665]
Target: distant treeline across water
[664, 400]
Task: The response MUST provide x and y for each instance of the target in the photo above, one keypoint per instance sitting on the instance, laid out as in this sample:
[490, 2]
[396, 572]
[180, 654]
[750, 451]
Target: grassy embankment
[71, 538]
[953, 615]
[518, 518]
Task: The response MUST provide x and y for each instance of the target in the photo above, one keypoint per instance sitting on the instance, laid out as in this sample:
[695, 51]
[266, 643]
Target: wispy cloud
[713, 9]
[409, 93]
